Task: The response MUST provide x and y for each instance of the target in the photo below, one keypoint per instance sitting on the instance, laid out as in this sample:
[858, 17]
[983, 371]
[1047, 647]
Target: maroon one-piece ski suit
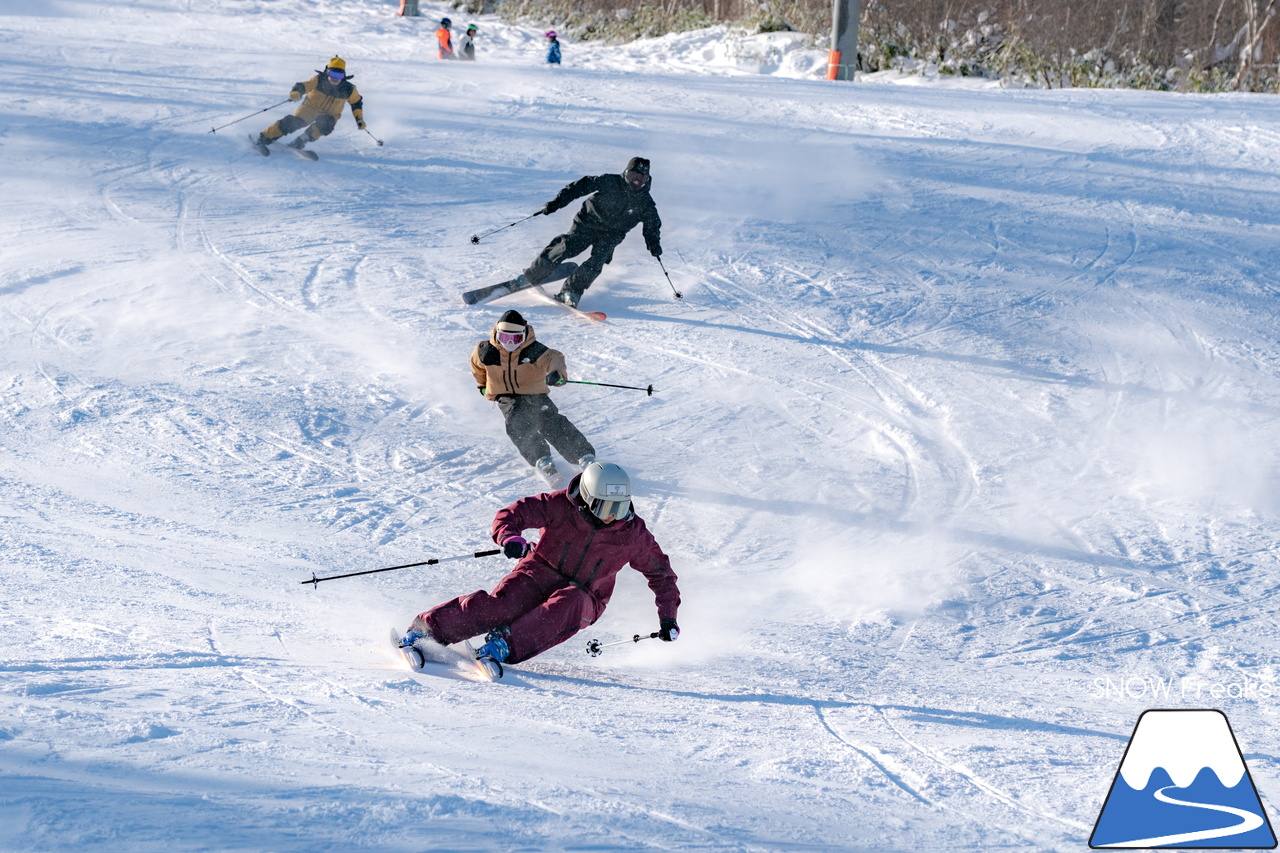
[563, 584]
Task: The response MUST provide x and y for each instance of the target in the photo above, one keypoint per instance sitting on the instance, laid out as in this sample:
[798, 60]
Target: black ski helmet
[637, 174]
[446, 23]
[513, 317]
[511, 331]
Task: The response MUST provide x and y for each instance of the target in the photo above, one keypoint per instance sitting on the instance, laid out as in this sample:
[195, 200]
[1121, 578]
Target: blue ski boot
[492, 654]
[408, 645]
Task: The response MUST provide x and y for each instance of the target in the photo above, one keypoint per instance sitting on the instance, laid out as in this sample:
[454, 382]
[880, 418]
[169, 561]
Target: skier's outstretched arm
[478, 373]
[525, 514]
[650, 561]
[553, 361]
[653, 233]
[357, 107]
[575, 190]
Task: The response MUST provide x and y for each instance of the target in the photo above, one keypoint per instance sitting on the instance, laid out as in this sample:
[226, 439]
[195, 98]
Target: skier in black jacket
[620, 203]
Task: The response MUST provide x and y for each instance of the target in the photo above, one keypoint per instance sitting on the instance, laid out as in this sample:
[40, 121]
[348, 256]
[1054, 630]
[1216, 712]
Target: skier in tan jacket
[323, 97]
[516, 371]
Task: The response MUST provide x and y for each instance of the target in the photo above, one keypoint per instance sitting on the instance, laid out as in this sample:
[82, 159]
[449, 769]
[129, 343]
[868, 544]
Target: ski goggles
[510, 340]
[635, 179]
[337, 76]
[617, 505]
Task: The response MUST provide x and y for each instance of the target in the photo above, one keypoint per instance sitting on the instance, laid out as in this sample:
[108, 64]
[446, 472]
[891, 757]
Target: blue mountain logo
[1183, 783]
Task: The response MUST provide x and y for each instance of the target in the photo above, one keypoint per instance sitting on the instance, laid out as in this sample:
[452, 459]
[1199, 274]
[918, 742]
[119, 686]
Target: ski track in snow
[970, 403]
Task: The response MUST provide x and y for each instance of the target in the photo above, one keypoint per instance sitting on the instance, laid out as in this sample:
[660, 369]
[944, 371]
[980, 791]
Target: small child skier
[467, 44]
[553, 48]
[445, 40]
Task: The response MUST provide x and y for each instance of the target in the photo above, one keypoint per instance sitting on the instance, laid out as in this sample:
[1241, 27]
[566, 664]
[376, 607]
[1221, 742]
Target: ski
[266, 152]
[598, 316]
[425, 653]
[490, 669]
[413, 655]
[515, 285]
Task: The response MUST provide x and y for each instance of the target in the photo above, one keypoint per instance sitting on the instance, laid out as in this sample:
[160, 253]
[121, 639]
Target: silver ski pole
[250, 115]
[315, 580]
[476, 238]
[595, 647]
[678, 294]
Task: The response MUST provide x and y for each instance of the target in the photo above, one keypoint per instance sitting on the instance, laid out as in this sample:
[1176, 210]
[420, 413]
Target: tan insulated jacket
[524, 371]
[321, 97]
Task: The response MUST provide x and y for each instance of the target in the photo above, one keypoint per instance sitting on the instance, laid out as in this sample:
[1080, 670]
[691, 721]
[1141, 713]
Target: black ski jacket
[613, 208]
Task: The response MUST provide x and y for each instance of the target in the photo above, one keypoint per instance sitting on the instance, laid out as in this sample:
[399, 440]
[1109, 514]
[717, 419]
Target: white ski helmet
[606, 490]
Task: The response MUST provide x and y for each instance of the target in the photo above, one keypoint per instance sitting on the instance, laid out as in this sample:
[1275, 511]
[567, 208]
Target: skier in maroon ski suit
[563, 583]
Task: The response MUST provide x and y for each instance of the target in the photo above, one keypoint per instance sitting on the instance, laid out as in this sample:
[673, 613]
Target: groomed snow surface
[963, 445]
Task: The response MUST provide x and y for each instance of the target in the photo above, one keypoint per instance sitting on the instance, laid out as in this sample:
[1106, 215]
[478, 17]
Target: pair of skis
[265, 151]
[424, 652]
[515, 285]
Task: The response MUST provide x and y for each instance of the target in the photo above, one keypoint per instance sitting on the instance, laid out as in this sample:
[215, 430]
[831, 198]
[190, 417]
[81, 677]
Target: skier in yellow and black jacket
[322, 98]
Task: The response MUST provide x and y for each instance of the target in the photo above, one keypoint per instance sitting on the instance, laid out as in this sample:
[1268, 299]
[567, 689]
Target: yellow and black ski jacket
[321, 97]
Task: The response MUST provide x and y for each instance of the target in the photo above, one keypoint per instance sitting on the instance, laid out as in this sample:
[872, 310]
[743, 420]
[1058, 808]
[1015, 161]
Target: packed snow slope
[963, 441]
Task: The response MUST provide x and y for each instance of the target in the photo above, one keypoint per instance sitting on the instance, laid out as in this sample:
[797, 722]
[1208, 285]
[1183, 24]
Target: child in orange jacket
[445, 50]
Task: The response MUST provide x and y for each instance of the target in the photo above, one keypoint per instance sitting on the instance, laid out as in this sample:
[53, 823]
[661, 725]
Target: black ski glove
[655, 249]
[668, 630]
[554, 378]
[549, 208]
[515, 547]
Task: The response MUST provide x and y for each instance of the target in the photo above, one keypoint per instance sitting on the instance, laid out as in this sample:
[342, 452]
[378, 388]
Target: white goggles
[510, 340]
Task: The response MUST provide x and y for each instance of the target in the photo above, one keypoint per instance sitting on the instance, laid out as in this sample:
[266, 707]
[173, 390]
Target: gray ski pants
[533, 420]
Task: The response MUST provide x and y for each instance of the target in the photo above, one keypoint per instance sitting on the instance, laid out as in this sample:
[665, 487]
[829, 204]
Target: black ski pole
[250, 115]
[476, 238]
[375, 139]
[678, 294]
[648, 391]
[315, 580]
[595, 647]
